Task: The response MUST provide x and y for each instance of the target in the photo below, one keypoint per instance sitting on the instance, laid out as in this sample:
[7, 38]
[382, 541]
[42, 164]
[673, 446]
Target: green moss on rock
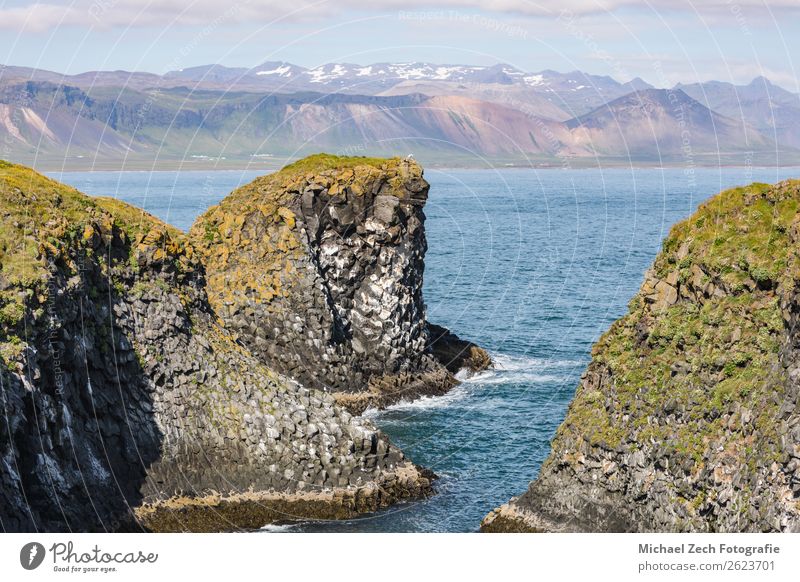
[322, 162]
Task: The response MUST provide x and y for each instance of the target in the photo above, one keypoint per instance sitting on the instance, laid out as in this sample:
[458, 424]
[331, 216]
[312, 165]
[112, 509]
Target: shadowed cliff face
[687, 418]
[77, 432]
[318, 269]
[125, 403]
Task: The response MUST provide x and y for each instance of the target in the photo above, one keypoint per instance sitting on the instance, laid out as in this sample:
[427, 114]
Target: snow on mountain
[534, 80]
[329, 72]
[383, 72]
[284, 71]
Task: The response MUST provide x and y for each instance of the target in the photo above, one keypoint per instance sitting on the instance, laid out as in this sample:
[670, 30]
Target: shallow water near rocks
[533, 266]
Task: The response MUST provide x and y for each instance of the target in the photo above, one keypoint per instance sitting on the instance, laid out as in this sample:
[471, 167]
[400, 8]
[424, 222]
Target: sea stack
[128, 405]
[687, 417]
[318, 270]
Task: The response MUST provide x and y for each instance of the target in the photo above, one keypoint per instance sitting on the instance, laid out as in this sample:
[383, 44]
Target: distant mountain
[577, 92]
[11, 75]
[769, 108]
[661, 122]
[46, 117]
[568, 94]
[38, 117]
[280, 109]
[349, 76]
[517, 96]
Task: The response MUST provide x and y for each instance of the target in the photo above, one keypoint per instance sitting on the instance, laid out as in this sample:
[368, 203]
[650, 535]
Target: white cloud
[110, 13]
[35, 18]
[39, 17]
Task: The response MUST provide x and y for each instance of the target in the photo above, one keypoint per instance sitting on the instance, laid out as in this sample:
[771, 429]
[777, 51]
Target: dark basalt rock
[126, 405]
[318, 270]
[456, 354]
[687, 418]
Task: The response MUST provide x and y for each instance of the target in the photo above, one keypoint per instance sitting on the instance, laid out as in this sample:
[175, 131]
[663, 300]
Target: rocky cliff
[688, 418]
[318, 270]
[126, 404]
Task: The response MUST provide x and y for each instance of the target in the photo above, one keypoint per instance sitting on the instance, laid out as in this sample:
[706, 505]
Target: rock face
[456, 354]
[126, 404]
[688, 417]
[318, 270]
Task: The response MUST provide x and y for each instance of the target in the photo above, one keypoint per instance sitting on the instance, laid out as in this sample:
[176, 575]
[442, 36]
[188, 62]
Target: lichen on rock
[318, 269]
[687, 417]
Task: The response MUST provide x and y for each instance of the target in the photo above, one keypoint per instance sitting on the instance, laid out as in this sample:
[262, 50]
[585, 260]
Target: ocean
[533, 265]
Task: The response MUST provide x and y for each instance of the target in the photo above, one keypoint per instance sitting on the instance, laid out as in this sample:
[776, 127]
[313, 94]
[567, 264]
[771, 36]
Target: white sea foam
[508, 369]
[424, 403]
[511, 363]
[512, 369]
[275, 528]
[516, 377]
[463, 375]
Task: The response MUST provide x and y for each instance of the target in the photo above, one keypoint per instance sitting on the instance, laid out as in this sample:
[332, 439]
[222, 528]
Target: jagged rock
[127, 405]
[318, 270]
[456, 354]
[687, 418]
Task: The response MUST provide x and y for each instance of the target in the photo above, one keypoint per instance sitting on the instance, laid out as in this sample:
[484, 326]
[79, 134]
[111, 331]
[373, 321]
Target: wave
[282, 528]
[508, 369]
[518, 377]
[514, 369]
[423, 403]
[512, 363]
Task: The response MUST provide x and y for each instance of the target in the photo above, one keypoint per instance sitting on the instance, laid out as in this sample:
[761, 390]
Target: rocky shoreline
[136, 397]
[254, 510]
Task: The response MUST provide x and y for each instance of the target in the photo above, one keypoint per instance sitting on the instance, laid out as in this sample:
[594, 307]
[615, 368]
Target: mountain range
[442, 112]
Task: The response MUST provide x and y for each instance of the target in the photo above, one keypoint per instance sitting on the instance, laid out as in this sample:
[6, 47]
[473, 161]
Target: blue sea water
[533, 265]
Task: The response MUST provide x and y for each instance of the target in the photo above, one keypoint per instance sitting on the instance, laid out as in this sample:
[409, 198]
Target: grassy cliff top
[317, 163]
[50, 233]
[329, 171]
[250, 239]
[39, 215]
[742, 233]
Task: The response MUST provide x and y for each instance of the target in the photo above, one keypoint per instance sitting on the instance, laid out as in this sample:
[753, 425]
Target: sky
[662, 41]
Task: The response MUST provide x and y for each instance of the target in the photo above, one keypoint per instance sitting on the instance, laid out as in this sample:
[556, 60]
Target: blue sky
[662, 41]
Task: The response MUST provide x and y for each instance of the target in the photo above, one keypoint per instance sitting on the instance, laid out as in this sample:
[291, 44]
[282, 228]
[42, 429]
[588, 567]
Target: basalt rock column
[318, 269]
